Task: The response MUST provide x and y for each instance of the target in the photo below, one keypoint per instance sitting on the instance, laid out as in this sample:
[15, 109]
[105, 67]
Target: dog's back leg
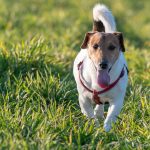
[99, 111]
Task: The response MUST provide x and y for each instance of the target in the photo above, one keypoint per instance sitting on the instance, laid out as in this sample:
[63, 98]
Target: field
[39, 108]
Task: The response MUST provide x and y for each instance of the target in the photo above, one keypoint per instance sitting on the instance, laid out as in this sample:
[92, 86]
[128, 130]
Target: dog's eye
[111, 47]
[95, 46]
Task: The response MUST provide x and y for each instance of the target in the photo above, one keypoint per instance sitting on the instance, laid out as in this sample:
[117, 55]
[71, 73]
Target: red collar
[96, 98]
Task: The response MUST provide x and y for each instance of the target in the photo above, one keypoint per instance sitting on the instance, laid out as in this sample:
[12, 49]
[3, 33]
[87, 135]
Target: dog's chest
[105, 97]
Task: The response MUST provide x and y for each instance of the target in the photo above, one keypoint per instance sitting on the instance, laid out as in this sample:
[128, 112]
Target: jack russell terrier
[100, 69]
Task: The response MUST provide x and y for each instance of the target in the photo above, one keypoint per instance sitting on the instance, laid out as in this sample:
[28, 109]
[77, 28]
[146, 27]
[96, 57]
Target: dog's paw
[107, 127]
[95, 121]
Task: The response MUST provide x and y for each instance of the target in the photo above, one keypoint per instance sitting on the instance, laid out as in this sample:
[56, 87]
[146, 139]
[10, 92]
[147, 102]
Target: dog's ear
[86, 39]
[121, 40]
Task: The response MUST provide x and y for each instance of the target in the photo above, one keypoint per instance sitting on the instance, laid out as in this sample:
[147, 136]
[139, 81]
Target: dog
[100, 69]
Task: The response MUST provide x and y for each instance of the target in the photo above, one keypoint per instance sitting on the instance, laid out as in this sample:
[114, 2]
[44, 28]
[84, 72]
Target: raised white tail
[103, 19]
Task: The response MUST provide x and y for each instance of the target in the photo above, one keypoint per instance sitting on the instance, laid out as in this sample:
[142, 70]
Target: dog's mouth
[103, 78]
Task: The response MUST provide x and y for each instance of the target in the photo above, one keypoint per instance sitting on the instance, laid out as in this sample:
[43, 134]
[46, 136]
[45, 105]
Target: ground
[39, 107]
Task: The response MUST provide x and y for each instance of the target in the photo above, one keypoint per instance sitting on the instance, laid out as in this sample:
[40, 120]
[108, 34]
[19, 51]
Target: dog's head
[103, 48]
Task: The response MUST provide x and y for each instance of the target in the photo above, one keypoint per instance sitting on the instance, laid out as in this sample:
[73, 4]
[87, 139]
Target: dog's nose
[103, 65]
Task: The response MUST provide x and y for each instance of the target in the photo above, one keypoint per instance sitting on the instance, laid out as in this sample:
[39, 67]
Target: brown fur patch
[98, 26]
[86, 39]
[121, 40]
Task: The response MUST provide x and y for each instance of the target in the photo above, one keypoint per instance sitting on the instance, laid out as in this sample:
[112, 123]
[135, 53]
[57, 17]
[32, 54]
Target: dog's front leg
[86, 107]
[113, 112]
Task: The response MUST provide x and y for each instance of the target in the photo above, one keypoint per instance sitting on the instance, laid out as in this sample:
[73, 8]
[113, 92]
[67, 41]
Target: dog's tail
[103, 20]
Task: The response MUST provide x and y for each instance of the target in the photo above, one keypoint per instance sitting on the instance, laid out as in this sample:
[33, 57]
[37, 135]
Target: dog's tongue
[103, 78]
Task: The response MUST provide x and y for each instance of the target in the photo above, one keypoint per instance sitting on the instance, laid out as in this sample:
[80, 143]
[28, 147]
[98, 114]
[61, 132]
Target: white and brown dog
[100, 69]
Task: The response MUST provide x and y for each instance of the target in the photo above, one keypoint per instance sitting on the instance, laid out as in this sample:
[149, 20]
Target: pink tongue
[103, 78]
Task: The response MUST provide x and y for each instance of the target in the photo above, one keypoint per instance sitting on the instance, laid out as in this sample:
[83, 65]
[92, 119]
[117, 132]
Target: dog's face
[103, 48]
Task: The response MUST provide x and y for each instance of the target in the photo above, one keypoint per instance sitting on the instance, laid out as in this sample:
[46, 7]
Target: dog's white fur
[115, 96]
[101, 12]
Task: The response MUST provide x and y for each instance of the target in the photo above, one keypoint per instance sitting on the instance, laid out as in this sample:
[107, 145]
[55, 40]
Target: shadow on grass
[36, 79]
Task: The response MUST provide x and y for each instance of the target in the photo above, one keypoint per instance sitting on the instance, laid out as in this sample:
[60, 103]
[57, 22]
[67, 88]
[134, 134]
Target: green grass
[39, 108]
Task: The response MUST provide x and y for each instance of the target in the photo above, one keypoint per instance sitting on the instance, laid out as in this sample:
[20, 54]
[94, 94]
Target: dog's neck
[90, 75]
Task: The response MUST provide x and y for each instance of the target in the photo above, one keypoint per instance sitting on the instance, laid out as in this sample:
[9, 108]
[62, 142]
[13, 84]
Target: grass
[39, 108]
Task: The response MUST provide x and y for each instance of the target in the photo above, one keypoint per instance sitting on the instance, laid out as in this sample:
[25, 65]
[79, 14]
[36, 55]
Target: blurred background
[67, 21]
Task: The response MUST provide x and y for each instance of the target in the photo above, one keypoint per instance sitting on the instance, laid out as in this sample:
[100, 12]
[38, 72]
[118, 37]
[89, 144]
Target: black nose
[103, 65]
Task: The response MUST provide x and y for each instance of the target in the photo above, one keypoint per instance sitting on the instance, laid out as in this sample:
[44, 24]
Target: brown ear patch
[121, 40]
[86, 39]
